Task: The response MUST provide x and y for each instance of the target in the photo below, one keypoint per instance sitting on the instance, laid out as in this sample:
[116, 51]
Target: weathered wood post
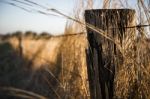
[102, 52]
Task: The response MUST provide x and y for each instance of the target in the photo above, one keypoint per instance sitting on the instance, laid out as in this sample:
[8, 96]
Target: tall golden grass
[56, 64]
[62, 59]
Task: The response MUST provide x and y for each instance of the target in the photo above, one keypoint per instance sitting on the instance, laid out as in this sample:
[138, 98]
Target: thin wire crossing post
[102, 63]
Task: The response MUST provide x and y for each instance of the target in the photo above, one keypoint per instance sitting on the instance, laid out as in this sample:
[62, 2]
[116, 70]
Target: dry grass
[132, 80]
[61, 61]
[73, 60]
[56, 65]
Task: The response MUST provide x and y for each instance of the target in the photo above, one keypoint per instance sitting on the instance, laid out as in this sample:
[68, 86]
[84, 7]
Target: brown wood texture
[101, 54]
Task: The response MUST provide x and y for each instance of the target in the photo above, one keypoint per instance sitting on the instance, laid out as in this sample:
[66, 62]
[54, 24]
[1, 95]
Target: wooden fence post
[101, 64]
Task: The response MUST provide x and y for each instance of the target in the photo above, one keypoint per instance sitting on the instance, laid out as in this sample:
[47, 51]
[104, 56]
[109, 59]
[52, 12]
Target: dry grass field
[54, 67]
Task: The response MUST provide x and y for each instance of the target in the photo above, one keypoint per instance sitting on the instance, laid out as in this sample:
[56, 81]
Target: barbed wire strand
[30, 3]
